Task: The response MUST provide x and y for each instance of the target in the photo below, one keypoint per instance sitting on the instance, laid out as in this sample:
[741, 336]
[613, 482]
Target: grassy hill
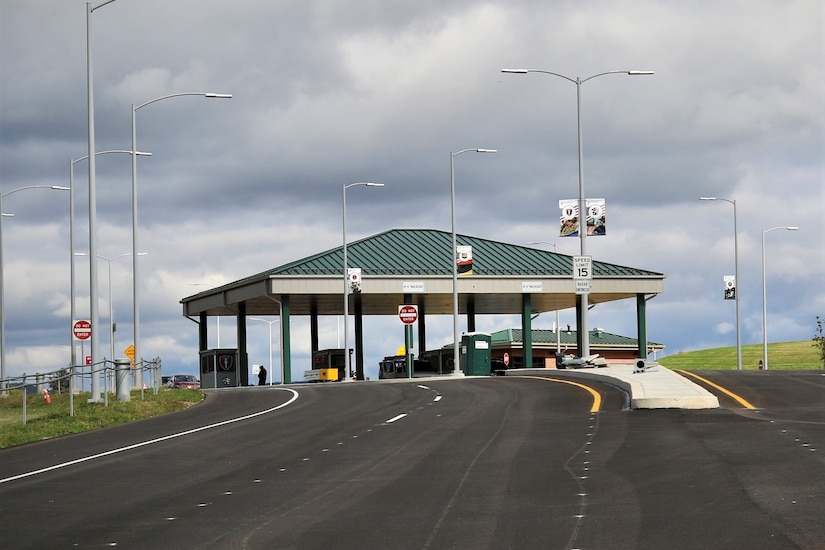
[781, 356]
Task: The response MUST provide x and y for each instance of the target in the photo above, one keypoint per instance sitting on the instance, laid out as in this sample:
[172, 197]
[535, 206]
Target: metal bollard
[122, 379]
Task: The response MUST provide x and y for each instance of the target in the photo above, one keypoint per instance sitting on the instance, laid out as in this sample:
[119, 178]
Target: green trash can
[475, 354]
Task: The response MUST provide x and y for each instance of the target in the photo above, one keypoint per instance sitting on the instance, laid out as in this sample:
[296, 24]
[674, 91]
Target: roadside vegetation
[46, 420]
[781, 356]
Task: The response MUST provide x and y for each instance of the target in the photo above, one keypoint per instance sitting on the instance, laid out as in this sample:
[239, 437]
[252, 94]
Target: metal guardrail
[73, 380]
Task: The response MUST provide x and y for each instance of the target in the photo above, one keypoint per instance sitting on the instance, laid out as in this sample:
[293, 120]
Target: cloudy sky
[330, 92]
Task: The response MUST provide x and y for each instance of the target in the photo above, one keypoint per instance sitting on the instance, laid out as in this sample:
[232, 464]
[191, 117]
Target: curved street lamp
[93, 282]
[72, 291]
[135, 254]
[578, 81]
[765, 297]
[453, 259]
[735, 276]
[3, 382]
[346, 273]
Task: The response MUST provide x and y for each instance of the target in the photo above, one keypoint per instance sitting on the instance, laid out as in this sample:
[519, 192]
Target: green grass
[781, 356]
[47, 420]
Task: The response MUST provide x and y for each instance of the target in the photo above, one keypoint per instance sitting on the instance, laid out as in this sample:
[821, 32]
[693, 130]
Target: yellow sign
[130, 353]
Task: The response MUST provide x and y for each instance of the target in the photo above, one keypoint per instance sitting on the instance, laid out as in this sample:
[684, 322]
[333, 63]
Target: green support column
[527, 330]
[641, 325]
[579, 324]
[359, 337]
[202, 332]
[243, 360]
[286, 357]
[313, 325]
[422, 330]
[408, 340]
[471, 315]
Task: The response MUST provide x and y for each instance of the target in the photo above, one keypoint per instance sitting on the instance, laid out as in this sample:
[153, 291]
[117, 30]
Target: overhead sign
[408, 314]
[412, 286]
[82, 330]
[531, 286]
[582, 267]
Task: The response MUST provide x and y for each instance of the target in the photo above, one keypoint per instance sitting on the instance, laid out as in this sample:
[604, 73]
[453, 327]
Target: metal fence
[75, 379]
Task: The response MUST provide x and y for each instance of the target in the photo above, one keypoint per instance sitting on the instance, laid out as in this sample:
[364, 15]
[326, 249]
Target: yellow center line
[597, 398]
[742, 401]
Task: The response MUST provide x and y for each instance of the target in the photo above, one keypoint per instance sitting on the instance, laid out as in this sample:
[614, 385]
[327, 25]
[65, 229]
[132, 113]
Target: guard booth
[474, 358]
[220, 368]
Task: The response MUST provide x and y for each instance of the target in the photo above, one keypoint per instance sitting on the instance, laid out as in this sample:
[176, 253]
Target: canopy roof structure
[417, 262]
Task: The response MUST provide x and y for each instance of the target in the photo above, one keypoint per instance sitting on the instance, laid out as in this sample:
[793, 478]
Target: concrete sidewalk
[658, 388]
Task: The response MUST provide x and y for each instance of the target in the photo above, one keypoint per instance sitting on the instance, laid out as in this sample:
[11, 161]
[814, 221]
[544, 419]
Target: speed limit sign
[582, 267]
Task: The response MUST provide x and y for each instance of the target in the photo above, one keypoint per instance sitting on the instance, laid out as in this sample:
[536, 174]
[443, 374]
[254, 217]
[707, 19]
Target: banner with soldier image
[596, 221]
[730, 287]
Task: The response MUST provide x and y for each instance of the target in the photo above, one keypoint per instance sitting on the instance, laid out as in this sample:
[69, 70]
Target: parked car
[186, 381]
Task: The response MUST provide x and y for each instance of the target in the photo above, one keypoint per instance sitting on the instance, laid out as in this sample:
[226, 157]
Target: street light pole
[72, 290]
[111, 305]
[582, 330]
[3, 381]
[735, 276]
[346, 273]
[135, 278]
[765, 297]
[453, 259]
[93, 281]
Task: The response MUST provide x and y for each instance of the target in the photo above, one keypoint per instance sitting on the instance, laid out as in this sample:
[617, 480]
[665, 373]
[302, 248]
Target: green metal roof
[427, 252]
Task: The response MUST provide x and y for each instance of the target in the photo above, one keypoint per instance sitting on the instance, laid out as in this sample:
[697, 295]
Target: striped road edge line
[741, 400]
[597, 398]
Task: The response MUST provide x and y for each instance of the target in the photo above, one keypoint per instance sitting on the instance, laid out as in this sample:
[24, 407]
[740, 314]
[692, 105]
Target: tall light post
[765, 297]
[346, 273]
[135, 279]
[72, 290]
[270, 323]
[93, 282]
[111, 305]
[453, 259]
[3, 383]
[735, 276]
[558, 325]
[578, 81]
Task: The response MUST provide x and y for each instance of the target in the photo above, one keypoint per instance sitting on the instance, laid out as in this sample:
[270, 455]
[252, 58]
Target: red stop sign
[82, 330]
[408, 314]
[506, 359]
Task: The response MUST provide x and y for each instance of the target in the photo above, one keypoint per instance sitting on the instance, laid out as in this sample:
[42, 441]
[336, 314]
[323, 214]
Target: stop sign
[506, 359]
[408, 314]
[82, 330]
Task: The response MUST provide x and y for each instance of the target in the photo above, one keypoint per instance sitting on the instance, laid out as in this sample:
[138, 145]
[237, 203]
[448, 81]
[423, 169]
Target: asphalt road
[501, 462]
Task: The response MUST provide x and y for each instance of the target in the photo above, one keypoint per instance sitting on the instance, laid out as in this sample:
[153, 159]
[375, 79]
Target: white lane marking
[394, 418]
[423, 387]
[152, 441]
[437, 398]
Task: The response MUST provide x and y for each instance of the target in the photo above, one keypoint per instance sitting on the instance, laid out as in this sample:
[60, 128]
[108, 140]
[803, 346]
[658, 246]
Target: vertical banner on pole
[730, 287]
[464, 259]
[596, 220]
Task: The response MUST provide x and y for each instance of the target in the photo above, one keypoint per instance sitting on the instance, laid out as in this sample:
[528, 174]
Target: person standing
[261, 375]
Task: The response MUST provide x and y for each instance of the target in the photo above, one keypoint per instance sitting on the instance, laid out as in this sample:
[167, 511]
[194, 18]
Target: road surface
[500, 462]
